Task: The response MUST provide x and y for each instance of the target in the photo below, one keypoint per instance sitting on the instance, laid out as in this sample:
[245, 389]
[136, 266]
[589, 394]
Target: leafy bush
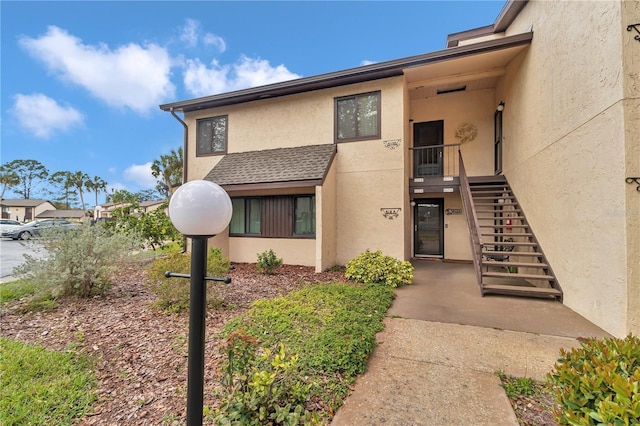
[268, 262]
[173, 293]
[80, 262]
[331, 327]
[598, 383]
[261, 387]
[375, 268]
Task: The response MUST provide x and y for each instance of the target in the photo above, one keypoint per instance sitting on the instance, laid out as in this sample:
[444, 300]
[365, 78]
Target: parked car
[7, 224]
[34, 228]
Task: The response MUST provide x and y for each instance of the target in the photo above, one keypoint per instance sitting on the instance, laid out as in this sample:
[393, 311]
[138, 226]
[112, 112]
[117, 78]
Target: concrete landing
[436, 360]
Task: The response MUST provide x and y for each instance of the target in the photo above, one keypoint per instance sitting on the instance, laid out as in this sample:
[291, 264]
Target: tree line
[68, 188]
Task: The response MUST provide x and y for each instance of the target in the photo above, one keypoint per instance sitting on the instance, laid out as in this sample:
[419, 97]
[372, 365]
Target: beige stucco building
[515, 148]
[24, 210]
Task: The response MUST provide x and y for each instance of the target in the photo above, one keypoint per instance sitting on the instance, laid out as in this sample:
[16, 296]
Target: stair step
[512, 253]
[483, 197]
[518, 275]
[488, 185]
[510, 234]
[485, 179]
[496, 211]
[502, 226]
[510, 243]
[521, 291]
[507, 264]
[482, 203]
[490, 191]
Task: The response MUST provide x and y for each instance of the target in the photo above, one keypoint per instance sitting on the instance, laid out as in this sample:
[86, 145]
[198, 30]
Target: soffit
[477, 72]
[288, 166]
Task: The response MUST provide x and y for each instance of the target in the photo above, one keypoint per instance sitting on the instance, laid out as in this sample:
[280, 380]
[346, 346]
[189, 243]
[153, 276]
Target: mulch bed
[141, 352]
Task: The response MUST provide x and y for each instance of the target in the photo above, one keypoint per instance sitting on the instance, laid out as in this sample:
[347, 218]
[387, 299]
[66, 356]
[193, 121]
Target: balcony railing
[436, 160]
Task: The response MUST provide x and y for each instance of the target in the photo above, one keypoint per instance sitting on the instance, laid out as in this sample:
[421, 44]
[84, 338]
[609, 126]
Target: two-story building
[516, 147]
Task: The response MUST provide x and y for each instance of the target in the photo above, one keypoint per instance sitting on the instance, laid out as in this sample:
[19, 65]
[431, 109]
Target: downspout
[185, 160]
[185, 153]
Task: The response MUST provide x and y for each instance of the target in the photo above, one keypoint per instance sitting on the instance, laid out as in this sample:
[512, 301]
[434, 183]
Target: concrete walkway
[436, 360]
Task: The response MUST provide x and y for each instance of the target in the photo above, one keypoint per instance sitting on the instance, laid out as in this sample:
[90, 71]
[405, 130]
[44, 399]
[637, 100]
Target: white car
[8, 224]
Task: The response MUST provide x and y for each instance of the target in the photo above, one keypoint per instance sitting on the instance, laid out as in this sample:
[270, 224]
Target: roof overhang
[350, 76]
[509, 11]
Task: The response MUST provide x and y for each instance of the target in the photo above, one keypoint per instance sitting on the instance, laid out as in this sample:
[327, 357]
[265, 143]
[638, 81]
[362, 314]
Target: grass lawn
[41, 387]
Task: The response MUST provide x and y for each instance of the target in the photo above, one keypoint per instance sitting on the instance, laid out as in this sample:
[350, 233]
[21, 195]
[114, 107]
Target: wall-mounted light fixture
[500, 107]
[413, 203]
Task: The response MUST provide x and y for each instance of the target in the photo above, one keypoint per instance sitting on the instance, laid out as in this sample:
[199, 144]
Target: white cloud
[367, 62]
[191, 32]
[201, 80]
[140, 174]
[132, 76]
[218, 42]
[43, 116]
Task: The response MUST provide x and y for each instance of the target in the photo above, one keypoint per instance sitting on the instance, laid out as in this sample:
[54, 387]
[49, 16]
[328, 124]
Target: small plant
[598, 382]
[516, 387]
[173, 293]
[262, 388]
[375, 268]
[268, 262]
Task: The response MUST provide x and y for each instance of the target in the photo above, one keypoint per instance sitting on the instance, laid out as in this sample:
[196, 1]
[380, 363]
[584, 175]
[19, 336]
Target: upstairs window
[358, 117]
[211, 137]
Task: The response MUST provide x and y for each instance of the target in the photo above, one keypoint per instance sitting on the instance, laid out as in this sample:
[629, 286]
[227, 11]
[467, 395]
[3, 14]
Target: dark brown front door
[427, 144]
[429, 228]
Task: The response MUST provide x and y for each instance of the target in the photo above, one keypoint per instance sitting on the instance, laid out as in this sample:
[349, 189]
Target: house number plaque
[390, 212]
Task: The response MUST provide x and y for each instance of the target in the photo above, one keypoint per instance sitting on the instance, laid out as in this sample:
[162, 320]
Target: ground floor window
[274, 217]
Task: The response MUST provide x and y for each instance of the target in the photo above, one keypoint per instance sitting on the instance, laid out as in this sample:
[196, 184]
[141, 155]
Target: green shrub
[375, 268]
[173, 293]
[268, 262]
[262, 387]
[598, 383]
[80, 262]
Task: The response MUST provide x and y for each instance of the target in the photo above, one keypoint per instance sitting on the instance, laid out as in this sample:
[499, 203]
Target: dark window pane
[357, 117]
[211, 136]
[254, 217]
[237, 219]
[305, 219]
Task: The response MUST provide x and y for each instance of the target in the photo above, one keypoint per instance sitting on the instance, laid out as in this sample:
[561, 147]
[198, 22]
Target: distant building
[24, 210]
[75, 215]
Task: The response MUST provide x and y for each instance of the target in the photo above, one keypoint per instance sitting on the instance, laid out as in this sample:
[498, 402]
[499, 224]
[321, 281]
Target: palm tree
[168, 171]
[78, 181]
[96, 184]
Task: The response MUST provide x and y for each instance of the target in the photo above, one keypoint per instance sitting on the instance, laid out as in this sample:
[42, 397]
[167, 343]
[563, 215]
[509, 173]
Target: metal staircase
[507, 256]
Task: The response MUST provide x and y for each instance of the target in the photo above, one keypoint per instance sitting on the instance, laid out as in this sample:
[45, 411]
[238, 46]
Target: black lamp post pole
[197, 310]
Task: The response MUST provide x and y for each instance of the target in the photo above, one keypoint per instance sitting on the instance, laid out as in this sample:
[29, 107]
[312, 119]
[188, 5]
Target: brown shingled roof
[303, 163]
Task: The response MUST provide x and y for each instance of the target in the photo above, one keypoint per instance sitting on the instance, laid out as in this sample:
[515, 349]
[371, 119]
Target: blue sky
[81, 81]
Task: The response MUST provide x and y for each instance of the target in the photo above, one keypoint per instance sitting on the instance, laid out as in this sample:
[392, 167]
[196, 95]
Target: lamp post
[200, 210]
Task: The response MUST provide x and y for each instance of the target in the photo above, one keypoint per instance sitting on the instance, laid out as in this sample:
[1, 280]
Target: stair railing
[472, 221]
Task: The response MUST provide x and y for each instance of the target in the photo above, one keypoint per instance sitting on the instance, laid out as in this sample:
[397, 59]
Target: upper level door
[427, 143]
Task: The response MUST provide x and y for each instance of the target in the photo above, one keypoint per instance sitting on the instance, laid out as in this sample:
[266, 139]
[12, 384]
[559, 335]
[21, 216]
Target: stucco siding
[326, 222]
[564, 147]
[475, 107]
[293, 251]
[370, 176]
[631, 104]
